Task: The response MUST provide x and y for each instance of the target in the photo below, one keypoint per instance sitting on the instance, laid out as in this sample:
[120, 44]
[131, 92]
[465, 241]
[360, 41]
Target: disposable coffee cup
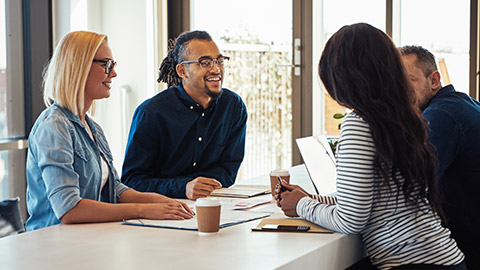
[208, 215]
[284, 174]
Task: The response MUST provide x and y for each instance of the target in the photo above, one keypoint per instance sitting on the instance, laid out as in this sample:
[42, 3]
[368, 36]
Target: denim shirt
[64, 166]
[454, 130]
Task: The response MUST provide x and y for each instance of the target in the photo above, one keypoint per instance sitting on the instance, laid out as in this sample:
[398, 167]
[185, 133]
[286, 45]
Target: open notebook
[241, 191]
[320, 163]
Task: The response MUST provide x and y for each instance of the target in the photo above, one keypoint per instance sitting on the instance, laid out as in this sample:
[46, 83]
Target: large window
[442, 27]
[3, 102]
[259, 42]
[12, 131]
[328, 17]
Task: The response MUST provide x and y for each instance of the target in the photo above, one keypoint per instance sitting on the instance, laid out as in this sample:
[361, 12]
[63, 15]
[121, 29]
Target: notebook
[241, 191]
[320, 163]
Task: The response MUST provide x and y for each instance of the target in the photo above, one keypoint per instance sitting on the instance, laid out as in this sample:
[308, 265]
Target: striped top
[393, 232]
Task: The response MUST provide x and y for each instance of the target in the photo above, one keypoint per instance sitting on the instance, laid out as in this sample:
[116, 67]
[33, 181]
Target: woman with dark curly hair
[386, 180]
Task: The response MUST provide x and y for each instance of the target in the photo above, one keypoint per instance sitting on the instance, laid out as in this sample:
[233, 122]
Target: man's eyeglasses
[109, 64]
[207, 63]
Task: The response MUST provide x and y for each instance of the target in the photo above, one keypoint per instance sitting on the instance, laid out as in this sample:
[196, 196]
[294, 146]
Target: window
[259, 42]
[12, 130]
[328, 18]
[421, 24]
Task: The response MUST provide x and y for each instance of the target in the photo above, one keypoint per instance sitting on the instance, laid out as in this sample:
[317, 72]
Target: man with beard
[190, 138]
[454, 130]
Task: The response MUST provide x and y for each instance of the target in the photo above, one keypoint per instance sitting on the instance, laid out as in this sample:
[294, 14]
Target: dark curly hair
[176, 53]
[362, 70]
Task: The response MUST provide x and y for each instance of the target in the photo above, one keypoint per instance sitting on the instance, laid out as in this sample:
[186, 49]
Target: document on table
[241, 191]
[244, 204]
[228, 217]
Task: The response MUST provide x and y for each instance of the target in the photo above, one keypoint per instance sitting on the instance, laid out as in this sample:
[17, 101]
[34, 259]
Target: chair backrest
[10, 217]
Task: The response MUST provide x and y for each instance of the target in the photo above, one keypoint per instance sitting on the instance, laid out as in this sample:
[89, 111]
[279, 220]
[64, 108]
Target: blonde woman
[70, 175]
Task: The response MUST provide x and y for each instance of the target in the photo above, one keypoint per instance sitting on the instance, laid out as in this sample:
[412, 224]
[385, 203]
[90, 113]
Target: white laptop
[320, 163]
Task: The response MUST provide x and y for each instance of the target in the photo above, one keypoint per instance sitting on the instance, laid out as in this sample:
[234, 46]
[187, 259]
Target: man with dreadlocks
[190, 138]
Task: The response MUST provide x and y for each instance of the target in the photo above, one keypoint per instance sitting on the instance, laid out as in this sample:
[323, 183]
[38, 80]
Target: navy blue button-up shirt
[454, 130]
[173, 140]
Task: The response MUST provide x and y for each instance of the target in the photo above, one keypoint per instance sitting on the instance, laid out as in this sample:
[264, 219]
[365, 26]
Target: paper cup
[284, 174]
[208, 215]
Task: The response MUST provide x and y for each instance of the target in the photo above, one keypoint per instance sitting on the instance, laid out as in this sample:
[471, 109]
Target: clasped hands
[288, 199]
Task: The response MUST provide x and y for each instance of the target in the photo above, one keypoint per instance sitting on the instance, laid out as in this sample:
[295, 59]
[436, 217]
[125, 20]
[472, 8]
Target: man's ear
[180, 71]
[435, 80]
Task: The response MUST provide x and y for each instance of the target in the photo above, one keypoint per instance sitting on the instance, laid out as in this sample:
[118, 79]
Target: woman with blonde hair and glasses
[70, 174]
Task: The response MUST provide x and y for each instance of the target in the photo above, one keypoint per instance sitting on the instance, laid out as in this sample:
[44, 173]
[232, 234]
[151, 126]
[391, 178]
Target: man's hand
[288, 200]
[201, 187]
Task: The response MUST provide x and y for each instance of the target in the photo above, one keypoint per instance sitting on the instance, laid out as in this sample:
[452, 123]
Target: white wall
[133, 34]
[126, 24]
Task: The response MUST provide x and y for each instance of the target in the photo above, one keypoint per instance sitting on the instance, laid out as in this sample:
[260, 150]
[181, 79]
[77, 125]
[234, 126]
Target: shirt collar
[445, 90]
[192, 104]
[442, 92]
[74, 118]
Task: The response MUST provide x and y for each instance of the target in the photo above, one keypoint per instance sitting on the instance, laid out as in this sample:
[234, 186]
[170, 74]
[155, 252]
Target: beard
[214, 95]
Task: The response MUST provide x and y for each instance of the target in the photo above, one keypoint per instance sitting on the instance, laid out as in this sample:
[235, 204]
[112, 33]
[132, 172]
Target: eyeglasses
[109, 64]
[207, 62]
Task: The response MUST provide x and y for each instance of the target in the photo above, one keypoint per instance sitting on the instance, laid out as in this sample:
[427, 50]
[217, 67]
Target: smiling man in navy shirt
[190, 138]
[454, 130]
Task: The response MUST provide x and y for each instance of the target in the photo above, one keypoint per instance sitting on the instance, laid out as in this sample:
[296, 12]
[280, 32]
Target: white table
[117, 246]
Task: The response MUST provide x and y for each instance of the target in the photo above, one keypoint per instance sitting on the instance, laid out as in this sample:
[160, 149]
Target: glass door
[257, 35]
[328, 17]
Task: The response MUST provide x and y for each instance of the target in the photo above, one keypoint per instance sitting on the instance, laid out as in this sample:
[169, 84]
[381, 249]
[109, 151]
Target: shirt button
[194, 164]
[203, 114]
[198, 104]
[191, 107]
[200, 139]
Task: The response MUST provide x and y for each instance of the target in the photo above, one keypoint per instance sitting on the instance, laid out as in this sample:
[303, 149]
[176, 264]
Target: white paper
[320, 162]
[228, 217]
[241, 191]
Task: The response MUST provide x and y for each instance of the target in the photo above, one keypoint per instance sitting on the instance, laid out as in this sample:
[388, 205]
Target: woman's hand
[176, 210]
[133, 196]
[287, 200]
[165, 199]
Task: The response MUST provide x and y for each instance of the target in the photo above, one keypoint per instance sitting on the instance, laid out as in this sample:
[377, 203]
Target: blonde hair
[65, 76]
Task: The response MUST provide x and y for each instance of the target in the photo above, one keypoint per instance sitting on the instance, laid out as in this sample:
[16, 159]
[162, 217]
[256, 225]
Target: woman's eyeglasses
[207, 63]
[109, 64]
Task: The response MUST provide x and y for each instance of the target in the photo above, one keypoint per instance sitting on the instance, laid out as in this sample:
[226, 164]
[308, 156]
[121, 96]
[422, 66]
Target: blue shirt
[454, 130]
[64, 166]
[173, 140]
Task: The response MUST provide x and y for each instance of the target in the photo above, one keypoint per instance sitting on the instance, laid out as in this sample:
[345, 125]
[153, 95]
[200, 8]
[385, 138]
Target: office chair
[10, 218]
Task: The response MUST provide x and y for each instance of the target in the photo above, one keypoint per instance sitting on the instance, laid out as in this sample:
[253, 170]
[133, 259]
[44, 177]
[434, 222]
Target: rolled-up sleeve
[53, 147]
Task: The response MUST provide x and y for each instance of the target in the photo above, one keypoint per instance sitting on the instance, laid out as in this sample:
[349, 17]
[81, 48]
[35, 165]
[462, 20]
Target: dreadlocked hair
[176, 54]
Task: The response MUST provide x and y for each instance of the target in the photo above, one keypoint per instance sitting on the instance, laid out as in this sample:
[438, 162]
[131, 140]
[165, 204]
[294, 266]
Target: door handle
[297, 58]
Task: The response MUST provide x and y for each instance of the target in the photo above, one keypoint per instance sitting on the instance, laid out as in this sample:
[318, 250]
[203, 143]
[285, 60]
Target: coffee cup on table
[208, 215]
[283, 174]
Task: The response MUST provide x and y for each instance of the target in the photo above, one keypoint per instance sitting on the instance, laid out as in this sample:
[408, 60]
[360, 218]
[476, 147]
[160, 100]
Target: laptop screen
[320, 163]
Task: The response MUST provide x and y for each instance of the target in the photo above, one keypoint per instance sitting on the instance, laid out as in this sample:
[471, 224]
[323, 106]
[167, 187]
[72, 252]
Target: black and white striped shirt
[393, 232]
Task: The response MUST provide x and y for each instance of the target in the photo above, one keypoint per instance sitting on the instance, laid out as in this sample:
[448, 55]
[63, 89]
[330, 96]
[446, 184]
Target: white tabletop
[118, 246]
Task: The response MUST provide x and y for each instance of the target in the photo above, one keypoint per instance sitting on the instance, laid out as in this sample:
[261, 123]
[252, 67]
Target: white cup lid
[279, 173]
[207, 202]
